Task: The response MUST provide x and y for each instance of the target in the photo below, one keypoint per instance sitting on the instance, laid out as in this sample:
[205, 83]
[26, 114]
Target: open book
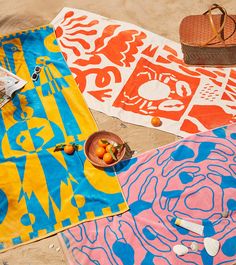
[9, 83]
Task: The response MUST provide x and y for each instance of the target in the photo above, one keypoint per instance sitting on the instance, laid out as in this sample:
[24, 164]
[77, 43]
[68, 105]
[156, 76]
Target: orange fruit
[102, 142]
[156, 121]
[69, 149]
[107, 158]
[110, 146]
[100, 151]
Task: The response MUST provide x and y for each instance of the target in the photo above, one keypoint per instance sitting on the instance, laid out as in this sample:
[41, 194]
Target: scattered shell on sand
[211, 245]
[225, 214]
[180, 250]
[194, 246]
[58, 249]
[51, 246]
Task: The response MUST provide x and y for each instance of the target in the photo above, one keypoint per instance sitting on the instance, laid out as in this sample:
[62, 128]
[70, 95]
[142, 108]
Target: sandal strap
[217, 33]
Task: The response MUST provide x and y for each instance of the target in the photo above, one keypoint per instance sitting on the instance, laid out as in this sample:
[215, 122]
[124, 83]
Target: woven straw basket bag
[209, 39]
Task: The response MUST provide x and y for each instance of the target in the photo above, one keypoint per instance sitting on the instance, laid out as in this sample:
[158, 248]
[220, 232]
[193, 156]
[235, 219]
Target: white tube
[196, 228]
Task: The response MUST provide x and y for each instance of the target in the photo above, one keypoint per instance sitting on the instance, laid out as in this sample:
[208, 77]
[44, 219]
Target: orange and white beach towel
[133, 74]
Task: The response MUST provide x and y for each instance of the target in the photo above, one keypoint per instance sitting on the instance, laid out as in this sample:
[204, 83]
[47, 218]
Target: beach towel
[133, 74]
[42, 191]
[193, 179]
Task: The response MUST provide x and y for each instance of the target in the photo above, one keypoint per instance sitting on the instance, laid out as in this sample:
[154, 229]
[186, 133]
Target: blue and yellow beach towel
[42, 191]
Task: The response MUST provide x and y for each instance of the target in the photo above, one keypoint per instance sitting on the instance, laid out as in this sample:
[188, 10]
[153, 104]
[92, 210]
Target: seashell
[58, 249]
[225, 214]
[211, 245]
[51, 246]
[194, 246]
[180, 250]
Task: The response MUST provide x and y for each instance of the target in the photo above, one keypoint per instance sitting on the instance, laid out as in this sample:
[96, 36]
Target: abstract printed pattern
[120, 66]
[194, 179]
[42, 191]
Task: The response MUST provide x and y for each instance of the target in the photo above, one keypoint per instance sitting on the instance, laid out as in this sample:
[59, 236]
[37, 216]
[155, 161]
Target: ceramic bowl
[92, 143]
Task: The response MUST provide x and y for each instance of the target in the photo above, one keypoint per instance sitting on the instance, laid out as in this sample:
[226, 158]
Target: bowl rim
[107, 165]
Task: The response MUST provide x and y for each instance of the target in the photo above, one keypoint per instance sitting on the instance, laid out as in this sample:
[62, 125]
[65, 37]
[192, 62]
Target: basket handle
[215, 31]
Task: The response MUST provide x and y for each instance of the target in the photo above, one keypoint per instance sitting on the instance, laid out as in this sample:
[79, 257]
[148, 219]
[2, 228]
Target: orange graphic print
[230, 90]
[101, 94]
[76, 36]
[155, 90]
[121, 48]
[133, 74]
[209, 116]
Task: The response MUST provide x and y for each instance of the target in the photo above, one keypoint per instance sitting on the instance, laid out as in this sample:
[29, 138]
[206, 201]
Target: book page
[9, 83]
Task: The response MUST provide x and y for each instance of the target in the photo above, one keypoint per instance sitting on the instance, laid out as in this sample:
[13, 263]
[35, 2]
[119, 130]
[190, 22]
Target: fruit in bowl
[104, 149]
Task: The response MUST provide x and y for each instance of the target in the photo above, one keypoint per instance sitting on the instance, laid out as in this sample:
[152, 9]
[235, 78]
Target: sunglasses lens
[37, 69]
[34, 76]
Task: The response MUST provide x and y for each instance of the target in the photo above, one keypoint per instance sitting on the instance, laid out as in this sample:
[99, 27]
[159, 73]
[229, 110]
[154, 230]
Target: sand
[159, 16]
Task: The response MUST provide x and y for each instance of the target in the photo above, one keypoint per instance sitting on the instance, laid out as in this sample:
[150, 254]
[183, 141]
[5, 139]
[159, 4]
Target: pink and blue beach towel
[193, 179]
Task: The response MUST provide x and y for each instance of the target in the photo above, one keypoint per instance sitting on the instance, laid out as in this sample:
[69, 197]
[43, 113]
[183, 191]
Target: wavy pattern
[42, 191]
[194, 179]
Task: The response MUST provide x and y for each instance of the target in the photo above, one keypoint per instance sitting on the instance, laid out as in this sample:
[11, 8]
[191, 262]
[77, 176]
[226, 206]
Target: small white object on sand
[58, 249]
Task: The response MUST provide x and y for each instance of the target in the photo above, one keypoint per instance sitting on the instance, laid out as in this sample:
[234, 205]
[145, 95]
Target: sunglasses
[35, 74]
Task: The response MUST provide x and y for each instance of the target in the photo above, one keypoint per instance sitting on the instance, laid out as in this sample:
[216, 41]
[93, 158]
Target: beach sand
[159, 16]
